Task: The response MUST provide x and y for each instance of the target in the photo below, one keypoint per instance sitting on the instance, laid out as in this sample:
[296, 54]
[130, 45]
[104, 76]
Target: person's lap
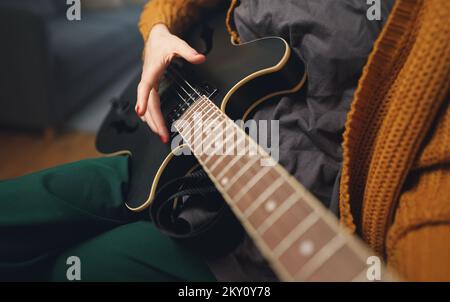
[77, 210]
[133, 252]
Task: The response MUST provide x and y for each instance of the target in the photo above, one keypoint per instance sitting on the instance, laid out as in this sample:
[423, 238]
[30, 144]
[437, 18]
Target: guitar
[297, 235]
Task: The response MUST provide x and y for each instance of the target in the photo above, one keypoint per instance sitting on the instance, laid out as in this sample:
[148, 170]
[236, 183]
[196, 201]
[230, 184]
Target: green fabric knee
[77, 209]
[44, 212]
[132, 252]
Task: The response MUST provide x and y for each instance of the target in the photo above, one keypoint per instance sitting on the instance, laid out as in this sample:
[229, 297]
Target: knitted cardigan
[395, 184]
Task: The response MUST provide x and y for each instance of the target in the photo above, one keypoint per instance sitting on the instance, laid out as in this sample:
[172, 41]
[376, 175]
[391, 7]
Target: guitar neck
[298, 237]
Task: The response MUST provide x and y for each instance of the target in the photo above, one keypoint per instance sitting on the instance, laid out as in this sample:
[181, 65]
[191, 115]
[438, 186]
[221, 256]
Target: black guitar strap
[192, 211]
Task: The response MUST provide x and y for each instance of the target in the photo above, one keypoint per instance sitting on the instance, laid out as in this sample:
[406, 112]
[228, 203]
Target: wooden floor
[25, 152]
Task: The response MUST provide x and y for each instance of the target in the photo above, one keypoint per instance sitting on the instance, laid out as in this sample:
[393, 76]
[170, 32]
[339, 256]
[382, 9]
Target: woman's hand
[161, 48]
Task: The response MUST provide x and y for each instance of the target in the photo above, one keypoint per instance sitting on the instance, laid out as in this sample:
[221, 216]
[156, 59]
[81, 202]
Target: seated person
[393, 187]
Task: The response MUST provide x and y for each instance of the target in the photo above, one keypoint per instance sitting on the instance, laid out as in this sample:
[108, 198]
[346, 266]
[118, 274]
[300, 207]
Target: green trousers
[78, 210]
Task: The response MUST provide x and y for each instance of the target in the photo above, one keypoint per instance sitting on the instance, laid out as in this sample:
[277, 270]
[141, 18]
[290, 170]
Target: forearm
[177, 15]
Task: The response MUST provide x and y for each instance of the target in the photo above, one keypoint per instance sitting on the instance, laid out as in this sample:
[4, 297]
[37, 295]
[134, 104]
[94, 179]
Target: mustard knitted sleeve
[176, 14]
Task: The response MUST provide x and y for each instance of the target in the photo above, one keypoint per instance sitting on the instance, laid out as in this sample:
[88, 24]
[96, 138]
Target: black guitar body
[236, 77]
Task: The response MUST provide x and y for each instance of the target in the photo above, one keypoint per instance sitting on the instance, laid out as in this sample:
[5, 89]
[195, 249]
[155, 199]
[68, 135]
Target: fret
[293, 234]
[345, 265]
[276, 232]
[201, 137]
[228, 166]
[251, 183]
[210, 156]
[226, 177]
[321, 257]
[201, 127]
[240, 140]
[189, 117]
[201, 157]
[278, 213]
[245, 146]
[237, 136]
[214, 139]
[201, 105]
[188, 113]
[213, 146]
[254, 190]
[187, 128]
[198, 104]
[208, 124]
[263, 196]
[220, 161]
[271, 205]
[204, 137]
[299, 230]
[225, 143]
[197, 148]
[242, 170]
[232, 136]
[179, 123]
[306, 246]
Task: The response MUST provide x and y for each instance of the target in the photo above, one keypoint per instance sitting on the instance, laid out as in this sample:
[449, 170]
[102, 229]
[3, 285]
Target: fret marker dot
[306, 248]
[270, 206]
[224, 181]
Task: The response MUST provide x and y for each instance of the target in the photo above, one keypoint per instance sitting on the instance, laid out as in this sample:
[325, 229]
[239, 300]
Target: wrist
[159, 29]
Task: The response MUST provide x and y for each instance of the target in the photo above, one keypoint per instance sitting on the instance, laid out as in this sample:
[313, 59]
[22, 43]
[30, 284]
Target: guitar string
[172, 69]
[173, 73]
[207, 105]
[239, 163]
[282, 234]
[180, 86]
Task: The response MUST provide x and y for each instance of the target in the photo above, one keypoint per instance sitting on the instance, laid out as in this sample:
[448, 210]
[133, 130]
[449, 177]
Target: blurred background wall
[58, 77]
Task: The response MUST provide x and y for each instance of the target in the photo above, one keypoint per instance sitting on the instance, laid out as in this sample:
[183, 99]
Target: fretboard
[299, 238]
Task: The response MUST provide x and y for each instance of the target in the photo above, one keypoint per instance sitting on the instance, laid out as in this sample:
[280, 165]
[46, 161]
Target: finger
[143, 92]
[148, 118]
[149, 79]
[185, 51]
[155, 112]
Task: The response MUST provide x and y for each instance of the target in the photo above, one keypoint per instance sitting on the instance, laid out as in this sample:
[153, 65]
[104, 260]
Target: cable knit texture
[395, 185]
[176, 14]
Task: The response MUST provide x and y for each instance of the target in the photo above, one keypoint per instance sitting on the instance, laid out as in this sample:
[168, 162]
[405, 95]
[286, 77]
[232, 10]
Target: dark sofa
[51, 67]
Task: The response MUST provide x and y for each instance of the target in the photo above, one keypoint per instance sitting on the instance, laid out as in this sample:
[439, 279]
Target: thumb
[188, 53]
